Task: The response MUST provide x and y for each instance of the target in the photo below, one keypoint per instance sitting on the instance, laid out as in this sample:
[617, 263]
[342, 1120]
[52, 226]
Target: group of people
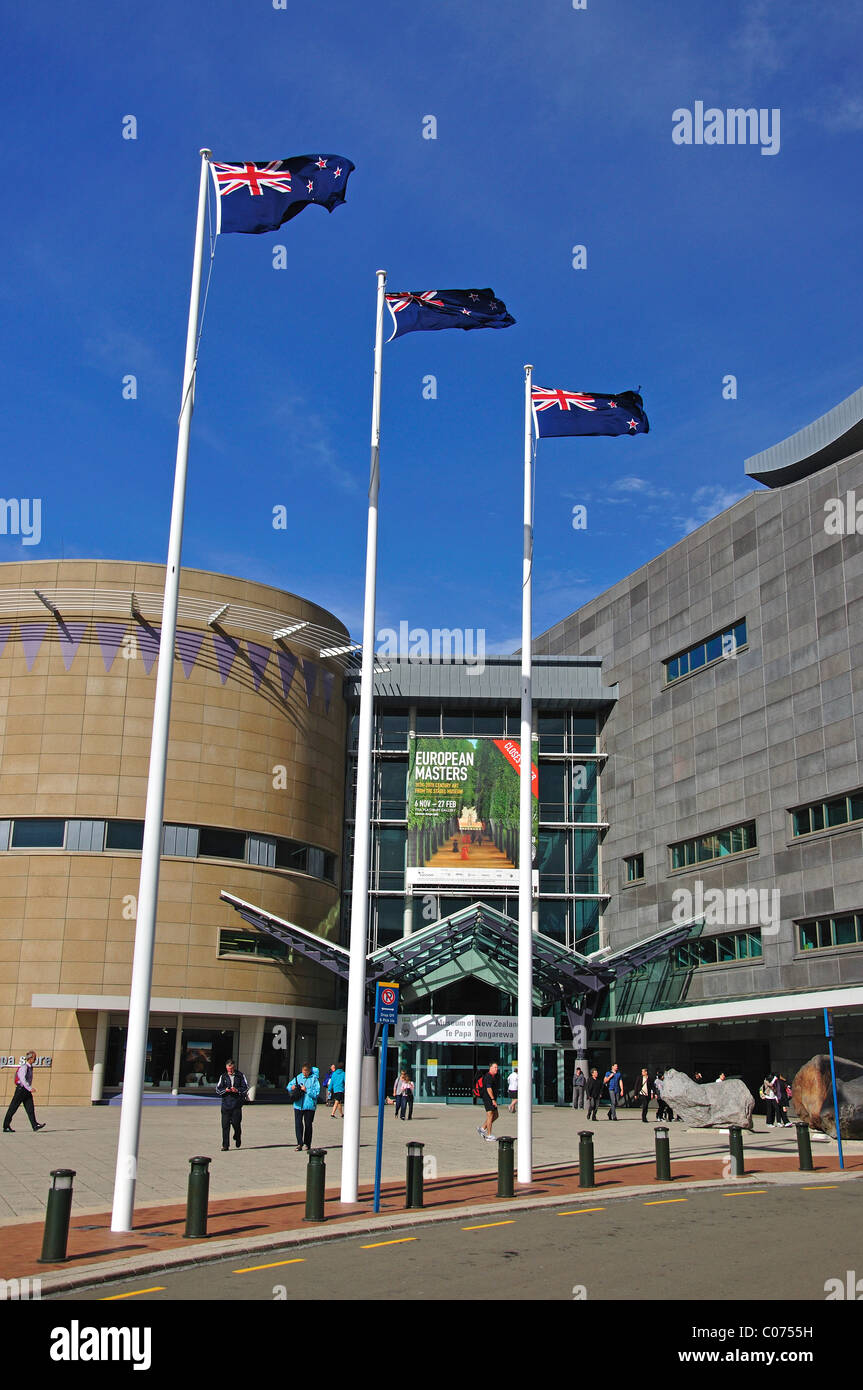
[776, 1093]
[304, 1090]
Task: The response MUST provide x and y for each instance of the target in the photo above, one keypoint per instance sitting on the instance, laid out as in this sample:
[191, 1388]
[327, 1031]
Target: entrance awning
[481, 942]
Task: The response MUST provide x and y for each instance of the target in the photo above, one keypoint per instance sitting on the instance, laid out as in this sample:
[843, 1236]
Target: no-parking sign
[386, 1003]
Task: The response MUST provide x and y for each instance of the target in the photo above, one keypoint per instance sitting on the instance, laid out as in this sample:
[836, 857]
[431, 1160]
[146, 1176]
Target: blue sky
[553, 130]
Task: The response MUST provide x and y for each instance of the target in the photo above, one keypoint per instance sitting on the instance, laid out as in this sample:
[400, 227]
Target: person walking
[233, 1088]
[23, 1095]
[512, 1089]
[614, 1081]
[643, 1093]
[579, 1084]
[337, 1091]
[490, 1083]
[593, 1090]
[304, 1090]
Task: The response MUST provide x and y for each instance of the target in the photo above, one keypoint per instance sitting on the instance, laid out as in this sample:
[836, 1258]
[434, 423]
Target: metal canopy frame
[560, 975]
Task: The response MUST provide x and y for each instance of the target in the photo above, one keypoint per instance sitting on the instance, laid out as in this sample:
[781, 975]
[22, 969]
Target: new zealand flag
[258, 197]
[559, 413]
[446, 309]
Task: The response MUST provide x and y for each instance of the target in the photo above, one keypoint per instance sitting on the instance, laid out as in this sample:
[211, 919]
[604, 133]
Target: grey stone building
[735, 762]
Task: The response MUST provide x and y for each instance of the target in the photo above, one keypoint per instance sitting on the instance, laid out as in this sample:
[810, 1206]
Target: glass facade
[719, 950]
[569, 830]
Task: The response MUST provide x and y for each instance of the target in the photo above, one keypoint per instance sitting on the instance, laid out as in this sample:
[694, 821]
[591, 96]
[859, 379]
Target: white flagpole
[148, 891]
[525, 839]
[362, 825]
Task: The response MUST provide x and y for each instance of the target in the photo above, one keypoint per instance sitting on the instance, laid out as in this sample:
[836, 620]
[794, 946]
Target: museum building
[698, 815]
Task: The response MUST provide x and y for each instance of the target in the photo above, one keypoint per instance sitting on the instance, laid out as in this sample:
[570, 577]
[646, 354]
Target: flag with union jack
[253, 196]
[560, 413]
[432, 309]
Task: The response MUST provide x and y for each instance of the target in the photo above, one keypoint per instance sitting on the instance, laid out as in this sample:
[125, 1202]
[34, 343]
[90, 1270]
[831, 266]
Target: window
[827, 815]
[38, 834]
[221, 844]
[716, 648]
[392, 781]
[393, 731]
[824, 932]
[718, 950]
[124, 834]
[737, 839]
[634, 868]
[245, 943]
[85, 835]
[180, 840]
[291, 854]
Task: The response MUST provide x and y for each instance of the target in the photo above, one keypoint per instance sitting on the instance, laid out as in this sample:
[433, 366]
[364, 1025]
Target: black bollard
[735, 1146]
[316, 1181]
[57, 1214]
[197, 1198]
[505, 1165]
[414, 1177]
[804, 1147]
[663, 1153]
[585, 1158]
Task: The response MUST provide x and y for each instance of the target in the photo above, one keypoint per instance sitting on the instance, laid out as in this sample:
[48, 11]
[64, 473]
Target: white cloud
[708, 502]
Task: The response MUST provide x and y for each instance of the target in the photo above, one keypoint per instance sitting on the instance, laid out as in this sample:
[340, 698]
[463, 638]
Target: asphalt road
[776, 1243]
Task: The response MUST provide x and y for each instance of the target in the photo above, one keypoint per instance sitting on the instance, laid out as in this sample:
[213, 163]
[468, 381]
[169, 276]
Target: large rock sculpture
[706, 1104]
[812, 1094]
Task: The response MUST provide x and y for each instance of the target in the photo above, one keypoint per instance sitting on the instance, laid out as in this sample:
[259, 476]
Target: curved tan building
[254, 805]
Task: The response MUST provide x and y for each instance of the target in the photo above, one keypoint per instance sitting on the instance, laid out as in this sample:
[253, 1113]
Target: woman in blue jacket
[305, 1089]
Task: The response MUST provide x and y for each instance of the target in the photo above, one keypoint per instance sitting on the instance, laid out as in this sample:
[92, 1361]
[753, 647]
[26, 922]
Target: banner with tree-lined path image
[463, 810]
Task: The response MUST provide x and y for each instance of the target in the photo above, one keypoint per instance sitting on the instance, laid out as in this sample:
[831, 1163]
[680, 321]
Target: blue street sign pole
[381, 1106]
[386, 1013]
[828, 1033]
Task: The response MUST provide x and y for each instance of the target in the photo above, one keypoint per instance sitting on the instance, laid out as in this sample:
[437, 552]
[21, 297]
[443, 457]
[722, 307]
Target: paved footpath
[257, 1193]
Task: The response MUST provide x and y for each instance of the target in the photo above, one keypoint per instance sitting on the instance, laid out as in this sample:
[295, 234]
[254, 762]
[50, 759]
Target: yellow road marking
[486, 1225]
[401, 1241]
[821, 1186]
[752, 1192]
[664, 1201]
[249, 1269]
[579, 1211]
[111, 1298]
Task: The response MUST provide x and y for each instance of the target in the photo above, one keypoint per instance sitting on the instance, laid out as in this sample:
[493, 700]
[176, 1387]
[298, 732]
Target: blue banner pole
[828, 1031]
[382, 1086]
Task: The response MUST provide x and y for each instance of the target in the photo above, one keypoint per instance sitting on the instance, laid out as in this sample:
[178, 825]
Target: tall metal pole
[148, 891]
[525, 838]
[362, 824]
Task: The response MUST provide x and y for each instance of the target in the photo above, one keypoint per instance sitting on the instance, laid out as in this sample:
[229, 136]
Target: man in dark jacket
[593, 1090]
[233, 1088]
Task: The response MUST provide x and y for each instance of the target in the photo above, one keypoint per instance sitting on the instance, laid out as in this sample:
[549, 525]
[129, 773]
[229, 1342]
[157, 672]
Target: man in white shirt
[512, 1090]
[23, 1095]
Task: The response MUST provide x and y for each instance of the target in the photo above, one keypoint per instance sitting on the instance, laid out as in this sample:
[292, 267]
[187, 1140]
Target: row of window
[821, 815]
[719, 647]
[736, 839]
[557, 733]
[190, 841]
[821, 934]
[845, 930]
[717, 950]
